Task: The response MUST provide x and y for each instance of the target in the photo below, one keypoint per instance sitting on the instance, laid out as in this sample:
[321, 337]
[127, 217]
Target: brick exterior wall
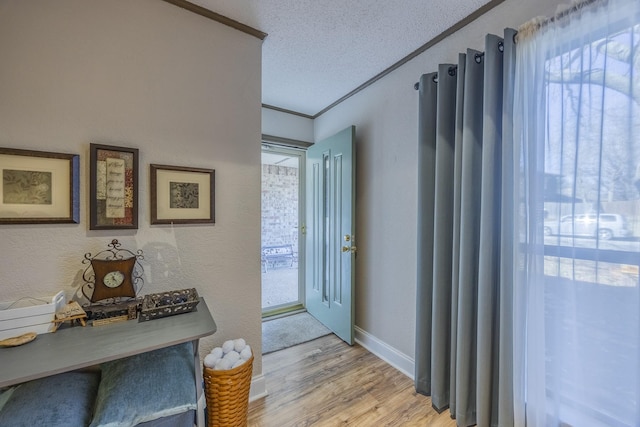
[280, 205]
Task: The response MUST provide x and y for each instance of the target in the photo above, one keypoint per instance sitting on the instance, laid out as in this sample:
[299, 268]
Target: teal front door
[330, 240]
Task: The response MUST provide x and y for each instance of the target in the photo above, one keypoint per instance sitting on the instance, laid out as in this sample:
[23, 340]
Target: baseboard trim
[384, 351]
[258, 388]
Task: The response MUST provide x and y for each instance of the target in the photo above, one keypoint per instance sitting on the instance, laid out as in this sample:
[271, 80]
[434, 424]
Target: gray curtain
[464, 290]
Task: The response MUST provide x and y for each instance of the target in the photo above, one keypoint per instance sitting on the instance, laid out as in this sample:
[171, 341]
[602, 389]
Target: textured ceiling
[317, 51]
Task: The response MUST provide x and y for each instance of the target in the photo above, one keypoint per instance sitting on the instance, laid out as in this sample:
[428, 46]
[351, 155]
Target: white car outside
[605, 226]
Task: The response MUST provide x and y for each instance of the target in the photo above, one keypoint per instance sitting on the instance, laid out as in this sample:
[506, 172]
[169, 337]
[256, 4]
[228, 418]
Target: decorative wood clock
[113, 274]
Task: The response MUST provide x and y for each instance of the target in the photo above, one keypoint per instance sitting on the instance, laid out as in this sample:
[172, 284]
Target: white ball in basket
[210, 360]
[239, 344]
[228, 346]
[232, 356]
[222, 365]
[238, 363]
[217, 352]
[245, 354]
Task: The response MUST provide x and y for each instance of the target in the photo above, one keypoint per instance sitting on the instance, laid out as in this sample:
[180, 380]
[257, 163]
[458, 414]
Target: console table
[77, 347]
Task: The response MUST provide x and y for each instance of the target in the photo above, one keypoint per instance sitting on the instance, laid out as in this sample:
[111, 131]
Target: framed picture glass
[182, 195]
[113, 188]
[39, 187]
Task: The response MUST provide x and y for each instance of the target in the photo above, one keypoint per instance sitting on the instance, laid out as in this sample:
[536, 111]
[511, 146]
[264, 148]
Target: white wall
[182, 89]
[284, 125]
[386, 120]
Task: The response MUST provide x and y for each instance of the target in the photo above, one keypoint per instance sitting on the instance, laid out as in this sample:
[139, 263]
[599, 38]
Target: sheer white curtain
[576, 290]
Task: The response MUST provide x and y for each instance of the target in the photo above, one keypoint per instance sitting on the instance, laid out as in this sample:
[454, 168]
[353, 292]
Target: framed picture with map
[113, 187]
[39, 187]
[182, 195]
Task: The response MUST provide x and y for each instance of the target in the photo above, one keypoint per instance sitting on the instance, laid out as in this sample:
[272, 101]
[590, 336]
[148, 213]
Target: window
[581, 291]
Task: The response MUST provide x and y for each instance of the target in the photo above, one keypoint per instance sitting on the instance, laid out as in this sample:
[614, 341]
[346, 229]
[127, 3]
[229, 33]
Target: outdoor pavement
[279, 286]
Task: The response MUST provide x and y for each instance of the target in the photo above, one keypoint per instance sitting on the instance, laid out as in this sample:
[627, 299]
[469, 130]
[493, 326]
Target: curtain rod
[532, 26]
[529, 28]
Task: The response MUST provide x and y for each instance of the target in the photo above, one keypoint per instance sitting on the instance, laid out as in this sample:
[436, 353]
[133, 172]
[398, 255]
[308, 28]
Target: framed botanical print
[182, 195]
[39, 187]
[113, 187]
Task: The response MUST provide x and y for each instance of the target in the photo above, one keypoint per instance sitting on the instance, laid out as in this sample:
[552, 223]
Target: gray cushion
[146, 387]
[63, 400]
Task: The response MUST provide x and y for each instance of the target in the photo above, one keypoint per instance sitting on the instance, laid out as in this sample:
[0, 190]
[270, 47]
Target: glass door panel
[281, 194]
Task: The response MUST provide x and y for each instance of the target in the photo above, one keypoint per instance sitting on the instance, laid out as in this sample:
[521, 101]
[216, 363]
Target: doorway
[282, 256]
[308, 241]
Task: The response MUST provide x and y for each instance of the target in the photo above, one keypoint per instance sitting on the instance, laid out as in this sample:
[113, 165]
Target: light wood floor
[325, 382]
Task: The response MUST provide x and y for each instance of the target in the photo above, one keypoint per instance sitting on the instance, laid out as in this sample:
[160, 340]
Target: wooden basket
[227, 395]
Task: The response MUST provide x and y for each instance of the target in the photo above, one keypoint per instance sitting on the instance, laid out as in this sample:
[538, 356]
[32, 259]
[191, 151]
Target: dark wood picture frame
[39, 187]
[182, 195]
[113, 187]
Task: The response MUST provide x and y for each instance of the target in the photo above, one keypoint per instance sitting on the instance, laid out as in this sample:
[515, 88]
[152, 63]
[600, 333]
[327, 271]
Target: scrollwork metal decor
[113, 274]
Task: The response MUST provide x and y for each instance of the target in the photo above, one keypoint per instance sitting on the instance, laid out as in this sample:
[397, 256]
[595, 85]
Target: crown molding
[437, 39]
[199, 10]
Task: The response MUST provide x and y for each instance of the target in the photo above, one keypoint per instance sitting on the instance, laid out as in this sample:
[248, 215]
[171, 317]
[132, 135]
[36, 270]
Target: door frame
[299, 152]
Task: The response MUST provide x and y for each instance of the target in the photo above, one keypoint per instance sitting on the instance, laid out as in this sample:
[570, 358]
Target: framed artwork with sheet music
[113, 187]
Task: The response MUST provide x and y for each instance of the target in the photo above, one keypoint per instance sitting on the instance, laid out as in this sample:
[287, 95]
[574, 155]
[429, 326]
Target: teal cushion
[146, 387]
[61, 400]
[5, 394]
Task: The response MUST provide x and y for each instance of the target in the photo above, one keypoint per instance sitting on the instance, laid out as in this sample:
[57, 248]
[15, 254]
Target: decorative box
[102, 314]
[22, 316]
[163, 304]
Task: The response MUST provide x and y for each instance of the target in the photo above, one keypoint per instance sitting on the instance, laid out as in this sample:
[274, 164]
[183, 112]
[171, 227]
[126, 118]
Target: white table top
[79, 347]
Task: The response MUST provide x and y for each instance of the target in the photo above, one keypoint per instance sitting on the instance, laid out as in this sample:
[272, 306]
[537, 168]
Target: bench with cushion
[277, 254]
[150, 389]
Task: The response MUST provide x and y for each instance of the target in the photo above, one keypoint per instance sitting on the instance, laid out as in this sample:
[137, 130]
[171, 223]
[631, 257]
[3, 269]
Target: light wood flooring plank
[326, 383]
